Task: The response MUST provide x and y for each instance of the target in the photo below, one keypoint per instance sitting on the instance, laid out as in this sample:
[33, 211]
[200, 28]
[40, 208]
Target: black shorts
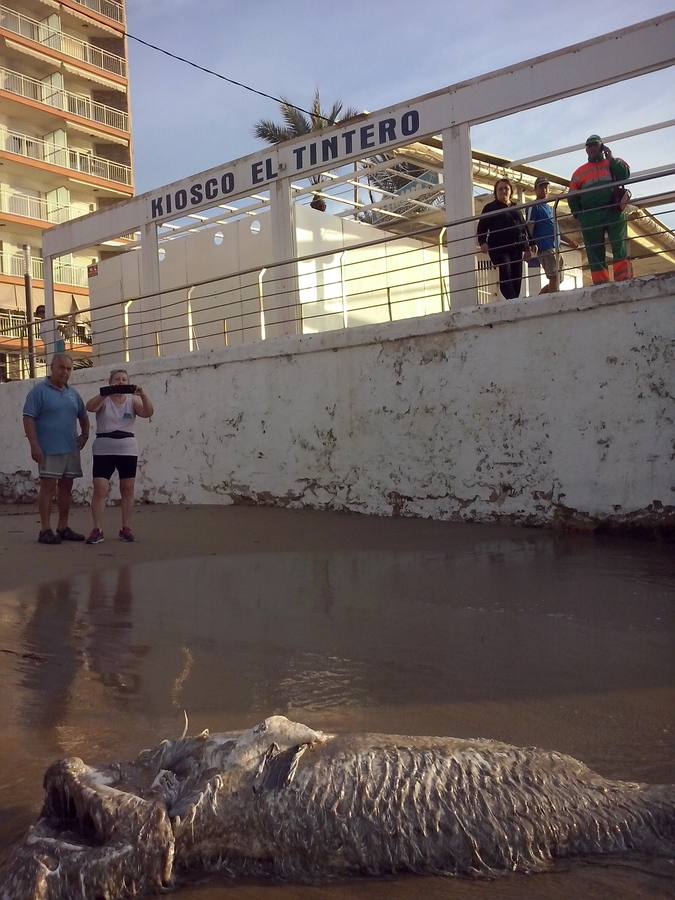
[104, 466]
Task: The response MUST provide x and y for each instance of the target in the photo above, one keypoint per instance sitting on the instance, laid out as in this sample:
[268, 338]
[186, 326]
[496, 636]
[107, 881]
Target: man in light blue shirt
[543, 230]
[50, 416]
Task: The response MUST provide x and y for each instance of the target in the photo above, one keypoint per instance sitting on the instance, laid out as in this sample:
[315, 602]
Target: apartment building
[65, 149]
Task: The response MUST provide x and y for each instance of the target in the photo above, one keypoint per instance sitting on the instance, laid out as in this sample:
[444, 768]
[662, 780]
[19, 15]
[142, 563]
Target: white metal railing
[58, 98]
[69, 158]
[68, 273]
[371, 282]
[14, 264]
[486, 281]
[101, 168]
[13, 325]
[64, 273]
[17, 204]
[24, 205]
[108, 8]
[95, 56]
[23, 145]
[33, 30]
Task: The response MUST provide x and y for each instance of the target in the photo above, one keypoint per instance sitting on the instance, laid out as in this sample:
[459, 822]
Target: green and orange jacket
[606, 173]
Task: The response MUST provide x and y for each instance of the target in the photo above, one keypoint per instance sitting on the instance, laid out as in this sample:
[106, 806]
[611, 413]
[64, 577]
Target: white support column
[282, 309]
[150, 313]
[49, 328]
[460, 239]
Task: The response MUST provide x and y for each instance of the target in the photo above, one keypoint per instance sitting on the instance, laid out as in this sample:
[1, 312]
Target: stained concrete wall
[554, 409]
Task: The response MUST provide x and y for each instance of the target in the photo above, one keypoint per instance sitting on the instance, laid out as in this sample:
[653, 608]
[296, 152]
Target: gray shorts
[61, 465]
[549, 264]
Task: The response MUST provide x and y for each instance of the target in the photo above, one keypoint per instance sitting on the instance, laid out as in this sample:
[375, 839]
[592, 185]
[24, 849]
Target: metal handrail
[14, 325]
[14, 264]
[313, 298]
[27, 206]
[67, 157]
[231, 290]
[64, 273]
[69, 273]
[36, 31]
[108, 8]
[59, 98]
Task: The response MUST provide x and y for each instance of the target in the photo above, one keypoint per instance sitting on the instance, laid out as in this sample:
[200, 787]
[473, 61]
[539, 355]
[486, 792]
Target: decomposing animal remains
[284, 800]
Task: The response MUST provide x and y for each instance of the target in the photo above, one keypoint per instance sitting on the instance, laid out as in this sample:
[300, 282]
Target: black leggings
[104, 466]
[510, 265]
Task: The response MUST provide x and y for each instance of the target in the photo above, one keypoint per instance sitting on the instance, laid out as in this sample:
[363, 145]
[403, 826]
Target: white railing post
[282, 308]
[460, 238]
[49, 332]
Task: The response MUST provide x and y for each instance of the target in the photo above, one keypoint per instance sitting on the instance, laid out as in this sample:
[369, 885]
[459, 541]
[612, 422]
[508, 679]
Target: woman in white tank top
[116, 447]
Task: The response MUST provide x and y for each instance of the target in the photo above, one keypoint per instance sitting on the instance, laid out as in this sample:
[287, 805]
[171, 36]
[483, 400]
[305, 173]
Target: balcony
[17, 204]
[58, 98]
[68, 273]
[16, 22]
[29, 207]
[108, 8]
[67, 158]
[64, 273]
[13, 325]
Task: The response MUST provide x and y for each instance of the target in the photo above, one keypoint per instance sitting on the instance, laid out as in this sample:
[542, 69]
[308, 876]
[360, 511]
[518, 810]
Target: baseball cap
[541, 180]
[593, 139]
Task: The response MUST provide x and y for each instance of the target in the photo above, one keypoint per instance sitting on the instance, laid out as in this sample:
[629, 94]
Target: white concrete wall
[554, 408]
[364, 285]
[224, 306]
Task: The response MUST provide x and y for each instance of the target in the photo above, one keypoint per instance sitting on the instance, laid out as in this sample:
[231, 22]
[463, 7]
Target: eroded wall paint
[551, 409]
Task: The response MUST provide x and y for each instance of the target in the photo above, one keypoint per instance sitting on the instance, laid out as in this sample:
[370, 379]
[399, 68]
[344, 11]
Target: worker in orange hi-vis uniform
[597, 211]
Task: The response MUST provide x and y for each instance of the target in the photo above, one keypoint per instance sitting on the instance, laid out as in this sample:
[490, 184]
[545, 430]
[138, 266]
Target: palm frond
[270, 132]
[318, 121]
[349, 113]
[296, 122]
[333, 113]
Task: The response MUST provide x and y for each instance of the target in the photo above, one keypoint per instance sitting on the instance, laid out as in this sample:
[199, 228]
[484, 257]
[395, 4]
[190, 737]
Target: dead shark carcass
[284, 800]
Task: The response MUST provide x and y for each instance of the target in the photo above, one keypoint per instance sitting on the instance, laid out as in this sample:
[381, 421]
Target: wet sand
[346, 623]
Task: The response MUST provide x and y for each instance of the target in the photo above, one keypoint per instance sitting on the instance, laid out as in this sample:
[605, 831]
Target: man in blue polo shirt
[543, 230]
[50, 416]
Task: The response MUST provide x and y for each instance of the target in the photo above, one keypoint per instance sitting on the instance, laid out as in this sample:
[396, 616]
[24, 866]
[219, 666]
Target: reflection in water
[50, 633]
[108, 641]
[266, 634]
[564, 643]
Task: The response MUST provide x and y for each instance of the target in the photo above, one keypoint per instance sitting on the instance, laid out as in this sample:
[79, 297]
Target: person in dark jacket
[503, 235]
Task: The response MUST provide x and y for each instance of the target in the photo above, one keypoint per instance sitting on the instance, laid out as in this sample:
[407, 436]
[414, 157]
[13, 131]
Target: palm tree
[297, 123]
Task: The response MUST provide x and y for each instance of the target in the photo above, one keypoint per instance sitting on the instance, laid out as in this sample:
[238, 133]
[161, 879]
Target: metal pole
[356, 190]
[29, 309]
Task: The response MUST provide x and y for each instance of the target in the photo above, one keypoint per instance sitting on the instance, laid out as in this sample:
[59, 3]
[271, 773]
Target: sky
[370, 55]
